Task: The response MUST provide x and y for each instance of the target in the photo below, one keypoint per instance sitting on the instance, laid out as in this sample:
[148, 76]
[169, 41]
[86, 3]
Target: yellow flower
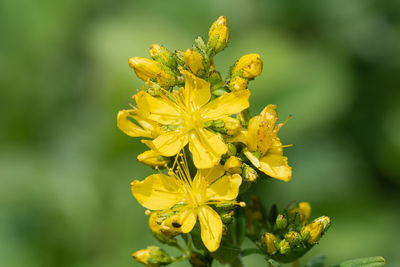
[187, 110]
[248, 66]
[314, 231]
[194, 60]
[147, 69]
[190, 199]
[264, 148]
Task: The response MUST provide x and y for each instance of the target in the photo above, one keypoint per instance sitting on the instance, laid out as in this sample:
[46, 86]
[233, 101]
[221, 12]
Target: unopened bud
[147, 69]
[152, 256]
[233, 165]
[293, 238]
[162, 55]
[269, 243]
[227, 217]
[281, 222]
[284, 247]
[304, 211]
[248, 173]
[238, 83]
[313, 232]
[164, 224]
[232, 149]
[248, 66]
[231, 125]
[218, 35]
[194, 60]
[152, 159]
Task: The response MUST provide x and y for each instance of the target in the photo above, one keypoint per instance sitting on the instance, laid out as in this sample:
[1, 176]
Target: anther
[147, 212]
[242, 204]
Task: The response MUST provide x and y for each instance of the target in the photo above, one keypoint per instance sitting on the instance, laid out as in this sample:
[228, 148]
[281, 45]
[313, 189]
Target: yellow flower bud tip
[194, 60]
[269, 242]
[284, 247]
[218, 35]
[233, 165]
[231, 125]
[312, 232]
[294, 238]
[248, 66]
[152, 256]
[142, 256]
[221, 21]
[238, 83]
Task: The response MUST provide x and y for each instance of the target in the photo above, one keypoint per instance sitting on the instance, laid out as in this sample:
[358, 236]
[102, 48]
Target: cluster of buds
[292, 235]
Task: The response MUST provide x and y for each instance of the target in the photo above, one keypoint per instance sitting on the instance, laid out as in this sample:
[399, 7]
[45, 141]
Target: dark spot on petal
[176, 225]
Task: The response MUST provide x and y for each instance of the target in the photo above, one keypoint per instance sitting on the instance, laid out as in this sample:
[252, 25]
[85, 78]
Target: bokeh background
[65, 168]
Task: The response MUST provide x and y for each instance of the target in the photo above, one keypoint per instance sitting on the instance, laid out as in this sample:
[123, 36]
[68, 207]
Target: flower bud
[238, 83]
[194, 60]
[269, 242]
[233, 165]
[218, 35]
[248, 173]
[147, 69]
[284, 247]
[164, 224]
[232, 149]
[293, 238]
[162, 55]
[281, 222]
[304, 211]
[248, 66]
[227, 217]
[231, 125]
[152, 256]
[312, 232]
[152, 159]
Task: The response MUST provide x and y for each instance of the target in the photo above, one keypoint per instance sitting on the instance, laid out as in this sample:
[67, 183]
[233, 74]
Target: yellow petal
[152, 158]
[187, 219]
[254, 125]
[211, 227]
[228, 104]
[157, 192]
[253, 159]
[128, 127]
[197, 91]
[161, 110]
[276, 166]
[241, 137]
[224, 188]
[206, 148]
[209, 175]
[170, 143]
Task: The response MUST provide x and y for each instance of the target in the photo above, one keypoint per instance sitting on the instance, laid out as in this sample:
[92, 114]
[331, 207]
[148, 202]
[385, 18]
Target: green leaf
[228, 254]
[363, 262]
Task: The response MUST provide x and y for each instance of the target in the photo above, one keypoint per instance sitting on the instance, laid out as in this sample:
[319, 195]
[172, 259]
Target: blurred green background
[65, 168]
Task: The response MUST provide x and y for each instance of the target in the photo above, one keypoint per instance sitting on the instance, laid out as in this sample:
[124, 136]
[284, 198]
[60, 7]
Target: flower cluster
[204, 145]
